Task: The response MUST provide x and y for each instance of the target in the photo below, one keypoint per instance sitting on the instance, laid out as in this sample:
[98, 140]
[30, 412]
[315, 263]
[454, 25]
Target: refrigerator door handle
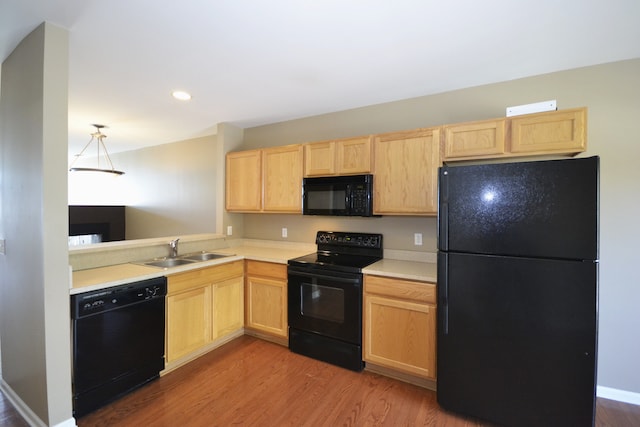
[443, 210]
[443, 291]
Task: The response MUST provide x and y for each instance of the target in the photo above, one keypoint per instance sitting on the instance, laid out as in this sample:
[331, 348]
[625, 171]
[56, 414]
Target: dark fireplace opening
[94, 224]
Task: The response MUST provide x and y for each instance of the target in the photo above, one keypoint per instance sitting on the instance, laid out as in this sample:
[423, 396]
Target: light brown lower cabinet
[203, 306]
[228, 307]
[188, 321]
[399, 330]
[266, 300]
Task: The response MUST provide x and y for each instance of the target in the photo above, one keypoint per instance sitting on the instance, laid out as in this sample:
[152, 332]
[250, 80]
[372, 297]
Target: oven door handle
[355, 280]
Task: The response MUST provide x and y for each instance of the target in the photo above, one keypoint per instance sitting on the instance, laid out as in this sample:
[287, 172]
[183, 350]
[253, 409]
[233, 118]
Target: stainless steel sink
[203, 256]
[168, 262]
[183, 259]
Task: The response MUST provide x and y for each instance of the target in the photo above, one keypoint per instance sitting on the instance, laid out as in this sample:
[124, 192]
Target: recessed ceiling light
[181, 95]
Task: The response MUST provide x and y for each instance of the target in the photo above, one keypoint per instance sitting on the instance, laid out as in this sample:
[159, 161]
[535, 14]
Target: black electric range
[325, 297]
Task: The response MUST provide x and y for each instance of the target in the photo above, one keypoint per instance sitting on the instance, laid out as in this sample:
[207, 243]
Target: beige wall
[170, 189]
[230, 138]
[612, 94]
[398, 232]
[34, 298]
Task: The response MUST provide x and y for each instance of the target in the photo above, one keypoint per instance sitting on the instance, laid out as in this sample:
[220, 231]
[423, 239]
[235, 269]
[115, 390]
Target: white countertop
[273, 254]
[120, 274]
[410, 270]
[104, 277]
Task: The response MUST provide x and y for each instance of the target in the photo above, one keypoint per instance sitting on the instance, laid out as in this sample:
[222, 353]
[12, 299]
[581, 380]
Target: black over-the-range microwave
[338, 195]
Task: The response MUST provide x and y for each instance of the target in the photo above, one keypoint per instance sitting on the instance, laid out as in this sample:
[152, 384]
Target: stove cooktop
[342, 251]
[335, 260]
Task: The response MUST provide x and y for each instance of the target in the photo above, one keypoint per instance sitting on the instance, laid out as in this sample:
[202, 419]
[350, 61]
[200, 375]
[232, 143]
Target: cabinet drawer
[400, 288]
[269, 269]
[203, 276]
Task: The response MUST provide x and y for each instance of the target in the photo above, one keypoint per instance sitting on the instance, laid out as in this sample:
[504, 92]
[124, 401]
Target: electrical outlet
[229, 230]
[2, 247]
[417, 239]
[284, 232]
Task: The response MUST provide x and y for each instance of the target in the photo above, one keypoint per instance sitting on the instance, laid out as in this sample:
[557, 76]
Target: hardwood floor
[8, 415]
[250, 382]
[256, 383]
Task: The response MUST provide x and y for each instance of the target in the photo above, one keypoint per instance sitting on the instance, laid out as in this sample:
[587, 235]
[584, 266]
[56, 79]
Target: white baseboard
[30, 417]
[71, 422]
[25, 411]
[619, 395]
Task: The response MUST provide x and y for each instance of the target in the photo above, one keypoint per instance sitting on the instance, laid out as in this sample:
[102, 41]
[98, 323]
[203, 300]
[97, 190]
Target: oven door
[326, 302]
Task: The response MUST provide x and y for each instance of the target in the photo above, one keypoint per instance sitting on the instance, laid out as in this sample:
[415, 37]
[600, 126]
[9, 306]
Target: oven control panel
[354, 240]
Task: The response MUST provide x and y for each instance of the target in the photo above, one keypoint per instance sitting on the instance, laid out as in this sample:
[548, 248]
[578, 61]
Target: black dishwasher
[118, 341]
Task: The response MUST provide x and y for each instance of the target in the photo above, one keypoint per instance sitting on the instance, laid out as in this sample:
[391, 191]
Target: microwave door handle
[347, 198]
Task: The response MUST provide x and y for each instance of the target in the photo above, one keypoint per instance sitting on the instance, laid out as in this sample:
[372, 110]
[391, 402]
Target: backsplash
[111, 253]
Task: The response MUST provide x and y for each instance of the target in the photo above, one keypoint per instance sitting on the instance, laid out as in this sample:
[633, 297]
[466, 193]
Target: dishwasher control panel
[89, 303]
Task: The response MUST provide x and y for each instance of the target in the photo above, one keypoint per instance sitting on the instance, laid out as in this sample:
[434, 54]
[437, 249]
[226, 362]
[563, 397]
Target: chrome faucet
[173, 246]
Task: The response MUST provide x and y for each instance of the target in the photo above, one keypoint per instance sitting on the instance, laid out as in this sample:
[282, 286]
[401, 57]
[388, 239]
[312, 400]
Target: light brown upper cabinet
[555, 132]
[482, 138]
[340, 157]
[561, 132]
[282, 175]
[406, 172]
[265, 180]
[243, 186]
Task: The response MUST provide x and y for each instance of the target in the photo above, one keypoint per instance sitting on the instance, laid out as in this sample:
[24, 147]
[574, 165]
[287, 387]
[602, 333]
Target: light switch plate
[2, 252]
[284, 233]
[229, 230]
[417, 239]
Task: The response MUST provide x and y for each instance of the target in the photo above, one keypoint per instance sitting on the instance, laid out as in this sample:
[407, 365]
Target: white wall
[34, 299]
[612, 94]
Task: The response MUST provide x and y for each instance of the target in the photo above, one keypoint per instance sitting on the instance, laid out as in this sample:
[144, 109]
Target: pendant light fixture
[98, 137]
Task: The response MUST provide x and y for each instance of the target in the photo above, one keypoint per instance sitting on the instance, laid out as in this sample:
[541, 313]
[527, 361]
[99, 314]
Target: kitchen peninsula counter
[119, 274]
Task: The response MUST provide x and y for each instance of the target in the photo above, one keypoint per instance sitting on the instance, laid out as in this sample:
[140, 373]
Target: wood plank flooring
[251, 382]
[9, 417]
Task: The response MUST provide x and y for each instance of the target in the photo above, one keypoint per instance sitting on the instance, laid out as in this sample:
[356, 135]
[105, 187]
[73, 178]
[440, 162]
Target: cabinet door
[400, 334]
[562, 132]
[243, 185]
[353, 155]
[188, 321]
[266, 304]
[228, 307]
[476, 139]
[282, 175]
[406, 172]
[320, 158]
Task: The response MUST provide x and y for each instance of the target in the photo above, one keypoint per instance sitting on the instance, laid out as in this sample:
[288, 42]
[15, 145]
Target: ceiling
[253, 62]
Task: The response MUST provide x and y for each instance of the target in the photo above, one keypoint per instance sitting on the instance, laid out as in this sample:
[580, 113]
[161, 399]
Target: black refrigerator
[518, 291]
